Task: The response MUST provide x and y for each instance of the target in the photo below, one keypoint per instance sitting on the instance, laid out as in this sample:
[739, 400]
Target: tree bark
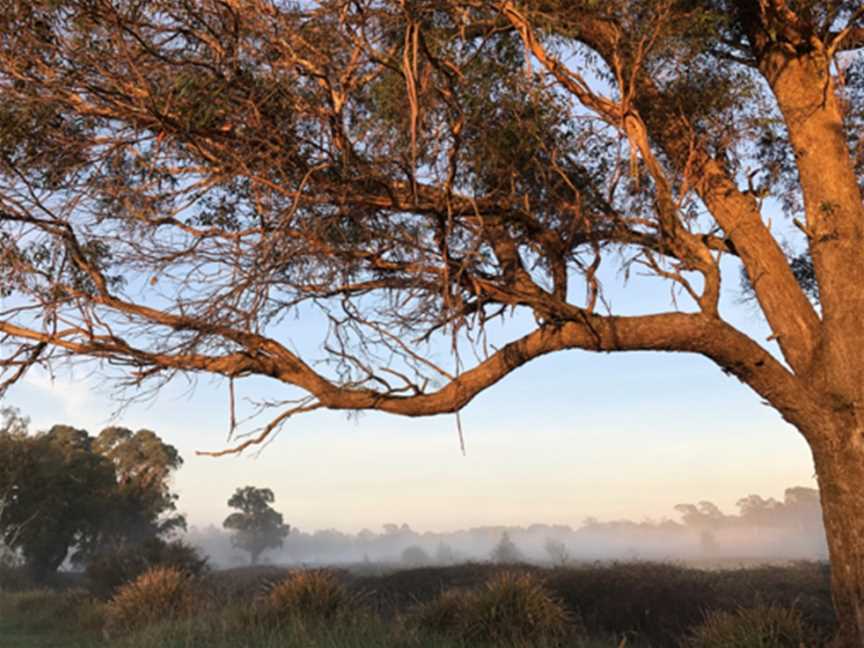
[807, 96]
[840, 471]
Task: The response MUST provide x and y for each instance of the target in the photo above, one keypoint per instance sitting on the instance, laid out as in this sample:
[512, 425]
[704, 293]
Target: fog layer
[762, 529]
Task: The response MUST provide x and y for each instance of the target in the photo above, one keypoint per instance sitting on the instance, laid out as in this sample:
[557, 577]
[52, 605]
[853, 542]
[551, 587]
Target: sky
[566, 437]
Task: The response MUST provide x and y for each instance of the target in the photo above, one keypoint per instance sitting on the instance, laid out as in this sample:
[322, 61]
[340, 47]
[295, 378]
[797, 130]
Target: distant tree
[444, 554]
[506, 551]
[256, 526]
[557, 551]
[702, 516]
[415, 556]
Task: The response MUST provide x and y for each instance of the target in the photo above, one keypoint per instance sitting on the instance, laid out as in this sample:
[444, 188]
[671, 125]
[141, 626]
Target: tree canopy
[64, 494]
[178, 179]
[256, 525]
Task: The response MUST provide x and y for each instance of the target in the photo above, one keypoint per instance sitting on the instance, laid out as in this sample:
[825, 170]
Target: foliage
[175, 182]
[516, 607]
[143, 505]
[446, 614]
[316, 595]
[119, 564]
[256, 526]
[758, 627]
[557, 552]
[509, 609]
[65, 489]
[160, 593]
[415, 556]
[506, 551]
[226, 614]
[57, 492]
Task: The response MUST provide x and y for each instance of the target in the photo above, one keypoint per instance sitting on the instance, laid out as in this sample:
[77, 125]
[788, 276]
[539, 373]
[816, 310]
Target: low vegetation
[159, 594]
[583, 606]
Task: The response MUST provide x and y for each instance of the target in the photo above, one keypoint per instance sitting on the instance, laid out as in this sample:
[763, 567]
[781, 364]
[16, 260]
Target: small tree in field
[256, 526]
[506, 551]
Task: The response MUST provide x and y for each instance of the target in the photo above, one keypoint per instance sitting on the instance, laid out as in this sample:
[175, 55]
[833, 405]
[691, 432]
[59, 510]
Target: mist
[761, 530]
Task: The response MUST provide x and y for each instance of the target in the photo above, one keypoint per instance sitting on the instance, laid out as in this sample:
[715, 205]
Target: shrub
[655, 602]
[160, 593]
[757, 627]
[511, 608]
[514, 607]
[314, 595]
[123, 563]
[446, 614]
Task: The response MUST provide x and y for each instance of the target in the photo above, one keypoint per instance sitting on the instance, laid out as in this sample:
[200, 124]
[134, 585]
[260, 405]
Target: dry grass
[511, 608]
[161, 593]
[446, 614]
[314, 595]
[763, 626]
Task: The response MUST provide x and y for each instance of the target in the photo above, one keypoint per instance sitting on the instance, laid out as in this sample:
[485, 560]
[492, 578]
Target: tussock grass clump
[446, 614]
[123, 563]
[763, 626]
[510, 608]
[516, 607]
[160, 593]
[314, 595]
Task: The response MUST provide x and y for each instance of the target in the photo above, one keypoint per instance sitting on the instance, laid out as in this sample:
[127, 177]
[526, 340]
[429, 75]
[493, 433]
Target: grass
[661, 606]
[17, 635]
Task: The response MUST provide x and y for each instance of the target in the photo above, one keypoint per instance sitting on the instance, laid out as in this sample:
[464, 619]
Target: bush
[123, 563]
[758, 627]
[446, 614]
[515, 607]
[655, 602]
[511, 608]
[160, 593]
[314, 595]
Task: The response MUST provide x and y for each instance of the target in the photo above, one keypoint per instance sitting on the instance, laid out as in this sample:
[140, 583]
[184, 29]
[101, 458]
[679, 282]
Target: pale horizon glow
[534, 454]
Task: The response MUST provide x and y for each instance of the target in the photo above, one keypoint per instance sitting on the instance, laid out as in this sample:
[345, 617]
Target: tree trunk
[840, 470]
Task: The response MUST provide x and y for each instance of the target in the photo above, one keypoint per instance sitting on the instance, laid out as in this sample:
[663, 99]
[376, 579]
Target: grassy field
[14, 633]
[586, 606]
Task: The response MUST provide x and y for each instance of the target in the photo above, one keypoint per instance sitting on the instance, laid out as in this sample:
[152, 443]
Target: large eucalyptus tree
[178, 177]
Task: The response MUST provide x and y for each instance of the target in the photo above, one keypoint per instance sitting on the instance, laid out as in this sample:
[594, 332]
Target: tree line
[68, 495]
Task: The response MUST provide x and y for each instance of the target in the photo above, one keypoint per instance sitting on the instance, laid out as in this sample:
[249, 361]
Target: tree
[506, 551]
[175, 180]
[256, 526]
[557, 552]
[415, 556]
[66, 490]
[445, 554]
[143, 506]
[57, 490]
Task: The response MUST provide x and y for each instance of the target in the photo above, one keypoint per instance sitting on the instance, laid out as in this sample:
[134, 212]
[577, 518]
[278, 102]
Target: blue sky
[568, 436]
